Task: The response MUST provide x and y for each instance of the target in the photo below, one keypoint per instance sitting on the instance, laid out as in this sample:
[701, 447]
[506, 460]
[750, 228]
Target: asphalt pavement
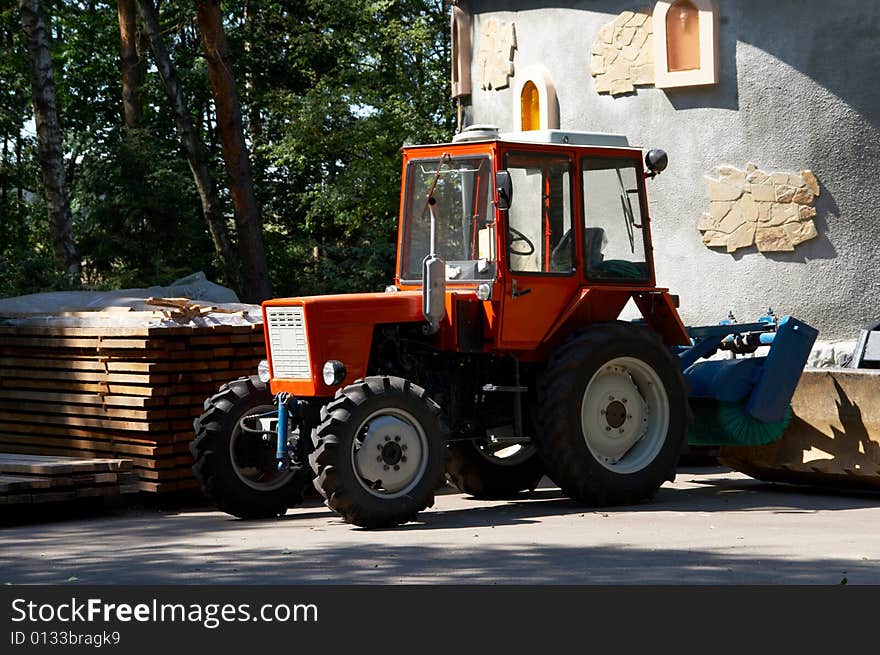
[711, 526]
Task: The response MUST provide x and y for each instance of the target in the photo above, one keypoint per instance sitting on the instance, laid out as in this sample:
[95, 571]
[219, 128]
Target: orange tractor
[497, 356]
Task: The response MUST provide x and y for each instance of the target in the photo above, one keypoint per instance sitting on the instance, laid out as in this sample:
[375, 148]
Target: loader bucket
[832, 440]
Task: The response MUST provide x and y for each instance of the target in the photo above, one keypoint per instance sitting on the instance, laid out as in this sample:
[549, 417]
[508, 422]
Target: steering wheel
[519, 236]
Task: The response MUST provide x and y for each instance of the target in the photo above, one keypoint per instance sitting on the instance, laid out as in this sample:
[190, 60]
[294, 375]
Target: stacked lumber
[28, 479]
[132, 391]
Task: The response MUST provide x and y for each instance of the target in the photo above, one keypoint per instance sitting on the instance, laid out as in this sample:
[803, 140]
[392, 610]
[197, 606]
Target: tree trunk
[130, 64]
[235, 151]
[254, 124]
[192, 146]
[4, 189]
[49, 150]
[19, 175]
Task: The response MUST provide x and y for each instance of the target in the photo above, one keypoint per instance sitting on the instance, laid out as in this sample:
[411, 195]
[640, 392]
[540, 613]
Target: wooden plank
[36, 483]
[168, 462]
[203, 389]
[98, 343]
[100, 491]
[115, 424]
[41, 465]
[71, 409]
[88, 387]
[13, 483]
[46, 497]
[42, 409]
[164, 474]
[150, 439]
[86, 444]
[87, 376]
[84, 398]
[31, 427]
[144, 354]
[116, 331]
[168, 487]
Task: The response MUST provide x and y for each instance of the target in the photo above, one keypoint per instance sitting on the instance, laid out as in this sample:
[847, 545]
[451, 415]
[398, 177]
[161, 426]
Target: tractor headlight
[484, 292]
[263, 371]
[333, 372]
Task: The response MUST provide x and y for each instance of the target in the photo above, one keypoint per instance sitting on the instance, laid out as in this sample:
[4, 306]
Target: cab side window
[614, 240]
[539, 235]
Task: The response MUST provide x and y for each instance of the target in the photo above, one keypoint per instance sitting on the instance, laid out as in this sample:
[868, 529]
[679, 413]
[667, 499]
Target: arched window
[535, 105]
[530, 107]
[683, 37]
[685, 43]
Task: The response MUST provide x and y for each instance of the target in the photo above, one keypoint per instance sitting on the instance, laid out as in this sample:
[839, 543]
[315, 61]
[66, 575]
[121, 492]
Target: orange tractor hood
[341, 327]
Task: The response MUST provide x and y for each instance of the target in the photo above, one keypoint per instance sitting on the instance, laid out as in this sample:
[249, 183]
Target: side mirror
[504, 187]
[656, 160]
[433, 292]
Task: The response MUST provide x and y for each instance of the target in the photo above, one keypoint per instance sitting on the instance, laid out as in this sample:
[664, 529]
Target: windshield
[465, 222]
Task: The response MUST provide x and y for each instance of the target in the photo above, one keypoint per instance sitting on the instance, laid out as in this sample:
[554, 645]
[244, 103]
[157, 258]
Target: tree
[329, 91]
[191, 143]
[49, 153]
[235, 151]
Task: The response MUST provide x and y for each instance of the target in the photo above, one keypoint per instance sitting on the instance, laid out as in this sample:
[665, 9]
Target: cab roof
[487, 133]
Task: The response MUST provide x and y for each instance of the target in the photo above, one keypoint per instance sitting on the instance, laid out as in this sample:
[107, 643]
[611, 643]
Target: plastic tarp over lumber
[193, 302]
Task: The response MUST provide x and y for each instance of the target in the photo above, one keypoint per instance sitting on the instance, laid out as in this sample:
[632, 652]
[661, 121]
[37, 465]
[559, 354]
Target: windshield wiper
[626, 205]
[444, 159]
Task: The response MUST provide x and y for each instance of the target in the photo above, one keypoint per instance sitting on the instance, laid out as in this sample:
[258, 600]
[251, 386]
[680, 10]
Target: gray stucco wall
[799, 88]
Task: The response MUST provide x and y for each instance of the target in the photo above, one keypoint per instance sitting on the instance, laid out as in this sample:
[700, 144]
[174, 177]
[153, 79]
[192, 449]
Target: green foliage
[329, 92]
[346, 87]
[128, 231]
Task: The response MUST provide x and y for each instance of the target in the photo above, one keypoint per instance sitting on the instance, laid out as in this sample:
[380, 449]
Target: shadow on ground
[155, 546]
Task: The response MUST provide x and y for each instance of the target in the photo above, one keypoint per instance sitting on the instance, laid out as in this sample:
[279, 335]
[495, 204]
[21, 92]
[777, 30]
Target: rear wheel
[380, 452]
[236, 469]
[613, 415]
[488, 471]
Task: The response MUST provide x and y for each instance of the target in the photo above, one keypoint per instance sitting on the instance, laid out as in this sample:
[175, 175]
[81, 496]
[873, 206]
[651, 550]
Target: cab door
[540, 252]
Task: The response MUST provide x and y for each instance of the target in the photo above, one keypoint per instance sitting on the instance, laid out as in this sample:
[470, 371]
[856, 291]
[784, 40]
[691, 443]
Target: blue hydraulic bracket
[288, 406]
[707, 338]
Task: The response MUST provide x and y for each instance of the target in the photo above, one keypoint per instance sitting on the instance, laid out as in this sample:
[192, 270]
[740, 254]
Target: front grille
[288, 344]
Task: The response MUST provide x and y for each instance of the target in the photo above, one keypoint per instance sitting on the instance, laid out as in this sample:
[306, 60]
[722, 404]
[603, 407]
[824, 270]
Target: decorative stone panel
[623, 54]
[772, 211]
[495, 55]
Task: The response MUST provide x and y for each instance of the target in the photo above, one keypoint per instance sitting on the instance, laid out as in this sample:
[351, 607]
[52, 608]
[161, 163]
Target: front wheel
[238, 470]
[613, 415]
[380, 452]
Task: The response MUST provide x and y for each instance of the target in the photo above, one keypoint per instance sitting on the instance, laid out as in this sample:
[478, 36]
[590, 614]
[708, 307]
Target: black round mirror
[656, 160]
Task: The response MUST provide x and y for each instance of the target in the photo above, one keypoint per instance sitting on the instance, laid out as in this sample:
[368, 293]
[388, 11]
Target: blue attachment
[767, 384]
[782, 370]
[288, 406]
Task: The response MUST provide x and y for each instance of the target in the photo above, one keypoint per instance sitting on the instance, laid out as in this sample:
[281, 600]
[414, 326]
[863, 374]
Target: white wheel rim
[389, 453]
[625, 415]
[253, 476]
